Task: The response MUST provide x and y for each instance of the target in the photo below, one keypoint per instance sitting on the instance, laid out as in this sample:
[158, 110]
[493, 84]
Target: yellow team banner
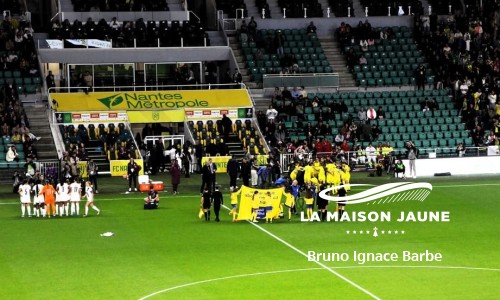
[119, 167]
[82, 166]
[220, 162]
[269, 205]
[155, 116]
[149, 100]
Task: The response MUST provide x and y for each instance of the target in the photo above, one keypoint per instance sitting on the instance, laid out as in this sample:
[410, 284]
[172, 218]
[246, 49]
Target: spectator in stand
[371, 113]
[420, 77]
[12, 154]
[380, 113]
[362, 60]
[492, 100]
[311, 29]
[271, 114]
[371, 153]
[345, 146]
[362, 116]
[50, 80]
[252, 28]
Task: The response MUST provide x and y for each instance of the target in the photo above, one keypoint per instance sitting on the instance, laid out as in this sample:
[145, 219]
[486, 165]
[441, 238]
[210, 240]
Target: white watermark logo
[386, 193]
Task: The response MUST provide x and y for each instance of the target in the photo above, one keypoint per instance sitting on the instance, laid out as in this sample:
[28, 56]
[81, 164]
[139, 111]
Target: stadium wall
[127, 55]
[456, 166]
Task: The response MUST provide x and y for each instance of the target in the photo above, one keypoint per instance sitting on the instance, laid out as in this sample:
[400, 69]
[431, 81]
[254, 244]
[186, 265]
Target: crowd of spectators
[464, 53]
[124, 33]
[318, 135]
[17, 55]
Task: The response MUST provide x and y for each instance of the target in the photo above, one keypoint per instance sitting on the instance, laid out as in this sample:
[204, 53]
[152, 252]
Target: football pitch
[170, 253]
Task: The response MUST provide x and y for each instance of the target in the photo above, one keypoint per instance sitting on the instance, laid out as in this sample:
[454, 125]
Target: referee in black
[322, 204]
[205, 203]
[217, 201]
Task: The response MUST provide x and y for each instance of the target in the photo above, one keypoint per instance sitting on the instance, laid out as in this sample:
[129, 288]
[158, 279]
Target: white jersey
[36, 190]
[63, 192]
[24, 192]
[75, 191]
[89, 192]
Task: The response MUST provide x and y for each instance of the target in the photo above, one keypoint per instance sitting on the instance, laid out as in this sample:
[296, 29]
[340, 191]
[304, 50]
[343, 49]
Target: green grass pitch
[170, 254]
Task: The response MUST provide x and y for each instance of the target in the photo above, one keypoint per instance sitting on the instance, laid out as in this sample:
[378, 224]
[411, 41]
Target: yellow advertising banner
[149, 100]
[220, 162]
[267, 205]
[82, 166]
[156, 116]
[119, 167]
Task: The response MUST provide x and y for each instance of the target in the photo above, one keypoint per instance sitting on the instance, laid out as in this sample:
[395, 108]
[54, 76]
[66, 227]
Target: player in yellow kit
[234, 202]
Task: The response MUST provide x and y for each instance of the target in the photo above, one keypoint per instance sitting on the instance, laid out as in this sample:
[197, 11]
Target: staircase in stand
[338, 62]
[234, 43]
[234, 146]
[39, 125]
[95, 151]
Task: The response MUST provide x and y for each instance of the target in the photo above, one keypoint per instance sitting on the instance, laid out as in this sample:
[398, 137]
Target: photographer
[152, 200]
[412, 156]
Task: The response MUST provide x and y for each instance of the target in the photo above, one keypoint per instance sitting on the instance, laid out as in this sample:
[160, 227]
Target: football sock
[206, 215]
[96, 209]
[234, 216]
[209, 215]
[72, 208]
[23, 209]
[57, 209]
[254, 216]
[289, 214]
[36, 212]
[29, 211]
[61, 210]
[43, 212]
[86, 210]
[77, 205]
[66, 208]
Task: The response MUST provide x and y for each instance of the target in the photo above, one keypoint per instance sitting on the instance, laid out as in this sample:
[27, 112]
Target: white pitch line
[311, 269]
[317, 262]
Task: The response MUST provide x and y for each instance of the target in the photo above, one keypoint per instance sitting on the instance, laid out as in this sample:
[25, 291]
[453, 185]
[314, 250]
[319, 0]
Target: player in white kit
[38, 200]
[24, 193]
[89, 194]
[62, 197]
[75, 196]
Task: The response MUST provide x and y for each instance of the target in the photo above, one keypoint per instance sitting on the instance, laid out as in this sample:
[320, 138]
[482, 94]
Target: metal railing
[125, 88]
[357, 157]
[331, 80]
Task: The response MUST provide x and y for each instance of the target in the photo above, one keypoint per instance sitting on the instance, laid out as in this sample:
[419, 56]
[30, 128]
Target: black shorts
[206, 205]
[322, 203]
[151, 206]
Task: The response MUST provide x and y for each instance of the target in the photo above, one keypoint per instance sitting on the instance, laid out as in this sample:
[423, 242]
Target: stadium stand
[142, 33]
[408, 115]
[300, 53]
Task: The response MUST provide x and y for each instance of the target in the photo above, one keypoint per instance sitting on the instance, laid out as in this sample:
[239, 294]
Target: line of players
[60, 201]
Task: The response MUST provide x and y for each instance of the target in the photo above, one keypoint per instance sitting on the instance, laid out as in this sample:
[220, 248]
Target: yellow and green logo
[111, 101]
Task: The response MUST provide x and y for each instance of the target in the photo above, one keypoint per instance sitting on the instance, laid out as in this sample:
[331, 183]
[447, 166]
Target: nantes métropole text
[380, 216]
[161, 100]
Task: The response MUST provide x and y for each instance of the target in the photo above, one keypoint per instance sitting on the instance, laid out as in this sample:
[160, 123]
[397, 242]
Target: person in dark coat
[227, 126]
[198, 149]
[232, 170]
[132, 171]
[186, 161]
[175, 172]
[217, 201]
[206, 176]
[245, 170]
